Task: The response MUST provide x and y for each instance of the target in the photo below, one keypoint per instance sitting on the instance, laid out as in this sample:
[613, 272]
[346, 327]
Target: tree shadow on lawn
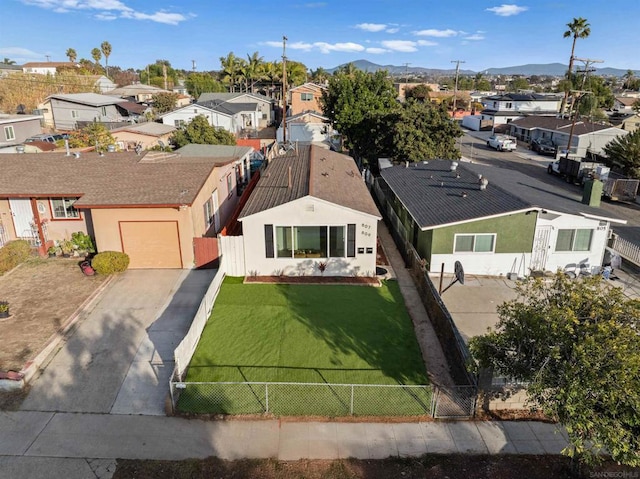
[372, 323]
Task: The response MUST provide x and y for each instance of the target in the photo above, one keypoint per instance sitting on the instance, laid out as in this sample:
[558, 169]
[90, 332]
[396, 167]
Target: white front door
[540, 250]
[22, 216]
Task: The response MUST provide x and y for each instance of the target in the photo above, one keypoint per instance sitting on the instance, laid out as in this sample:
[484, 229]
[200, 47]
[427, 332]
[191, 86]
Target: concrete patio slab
[19, 430]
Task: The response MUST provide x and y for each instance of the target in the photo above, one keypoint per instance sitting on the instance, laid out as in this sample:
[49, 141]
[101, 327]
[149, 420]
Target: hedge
[14, 253]
[109, 262]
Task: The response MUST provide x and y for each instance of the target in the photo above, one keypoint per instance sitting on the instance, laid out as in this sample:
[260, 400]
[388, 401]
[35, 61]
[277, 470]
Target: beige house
[153, 206]
[147, 135]
[632, 123]
[138, 92]
[305, 97]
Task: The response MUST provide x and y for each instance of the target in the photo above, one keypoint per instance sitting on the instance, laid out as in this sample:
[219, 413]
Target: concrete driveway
[121, 354]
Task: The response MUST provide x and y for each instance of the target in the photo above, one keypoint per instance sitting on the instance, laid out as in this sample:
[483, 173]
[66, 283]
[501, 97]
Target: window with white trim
[9, 134]
[179, 123]
[62, 208]
[574, 240]
[311, 242]
[474, 243]
[74, 114]
[306, 96]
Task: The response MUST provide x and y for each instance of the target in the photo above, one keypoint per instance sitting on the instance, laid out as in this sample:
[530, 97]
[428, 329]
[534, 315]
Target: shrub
[14, 253]
[82, 241]
[109, 262]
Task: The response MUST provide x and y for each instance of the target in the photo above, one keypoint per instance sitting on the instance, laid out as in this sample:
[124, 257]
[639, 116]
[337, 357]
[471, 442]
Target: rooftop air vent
[454, 166]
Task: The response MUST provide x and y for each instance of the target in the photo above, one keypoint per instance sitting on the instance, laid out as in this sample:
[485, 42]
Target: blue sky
[320, 33]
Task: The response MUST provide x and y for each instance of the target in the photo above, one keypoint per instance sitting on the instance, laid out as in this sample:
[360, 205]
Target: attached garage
[151, 244]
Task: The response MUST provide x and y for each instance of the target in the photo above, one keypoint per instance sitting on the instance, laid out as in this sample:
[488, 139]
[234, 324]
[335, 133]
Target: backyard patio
[307, 349]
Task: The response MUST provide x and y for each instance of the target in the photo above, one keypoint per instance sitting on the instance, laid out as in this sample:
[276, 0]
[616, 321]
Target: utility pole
[574, 119]
[193, 65]
[284, 89]
[587, 69]
[164, 74]
[48, 57]
[455, 86]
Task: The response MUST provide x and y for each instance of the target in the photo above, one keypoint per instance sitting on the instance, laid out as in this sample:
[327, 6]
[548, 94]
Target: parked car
[501, 142]
[543, 146]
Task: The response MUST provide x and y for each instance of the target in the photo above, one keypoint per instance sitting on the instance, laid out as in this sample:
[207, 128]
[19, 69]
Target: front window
[306, 96]
[62, 208]
[476, 243]
[574, 240]
[178, 123]
[208, 212]
[9, 134]
[310, 241]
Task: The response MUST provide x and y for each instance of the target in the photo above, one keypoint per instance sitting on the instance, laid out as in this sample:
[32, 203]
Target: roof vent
[454, 166]
[76, 154]
[20, 149]
[483, 182]
[406, 164]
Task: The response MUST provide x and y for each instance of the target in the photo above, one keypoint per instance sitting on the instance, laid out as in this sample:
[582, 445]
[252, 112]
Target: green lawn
[327, 334]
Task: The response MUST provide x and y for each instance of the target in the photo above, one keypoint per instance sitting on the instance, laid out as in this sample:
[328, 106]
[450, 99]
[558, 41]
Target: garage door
[151, 244]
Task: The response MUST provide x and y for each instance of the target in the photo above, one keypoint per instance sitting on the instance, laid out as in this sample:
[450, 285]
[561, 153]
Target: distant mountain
[544, 69]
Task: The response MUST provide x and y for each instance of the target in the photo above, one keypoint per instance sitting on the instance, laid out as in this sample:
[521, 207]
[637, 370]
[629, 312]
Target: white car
[501, 143]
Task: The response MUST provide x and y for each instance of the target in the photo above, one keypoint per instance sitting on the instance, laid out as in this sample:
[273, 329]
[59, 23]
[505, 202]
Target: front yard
[42, 295]
[327, 335]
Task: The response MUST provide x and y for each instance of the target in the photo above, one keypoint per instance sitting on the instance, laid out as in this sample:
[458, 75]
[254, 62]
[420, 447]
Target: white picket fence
[184, 352]
[628, 250]
[232, 251]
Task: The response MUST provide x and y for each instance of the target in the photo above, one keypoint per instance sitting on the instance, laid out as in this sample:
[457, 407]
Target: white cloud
[400, 45]
[19, 53]
[299, 46]
[507, 10]
[108, 10]
[431, 32]
[475, 37]
[338, 47]
[376, 51]
[371, 27]
[426, 43]
[392, 30]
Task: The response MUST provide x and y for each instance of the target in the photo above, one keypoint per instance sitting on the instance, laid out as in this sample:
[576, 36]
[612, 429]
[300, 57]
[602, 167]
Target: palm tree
[71, 53]
[624, 151]
[105, 48]
[253, 69]
[296, 73]
[96, 54]
[628, 79]
[230, 66]
[272, 72]
[8, 61]
[578, 28]
[319, 76]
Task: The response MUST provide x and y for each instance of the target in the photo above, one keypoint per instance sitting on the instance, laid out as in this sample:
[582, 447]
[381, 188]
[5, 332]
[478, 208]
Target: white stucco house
[307, 127]
[233, 117]
[310, 214]
[501, 109]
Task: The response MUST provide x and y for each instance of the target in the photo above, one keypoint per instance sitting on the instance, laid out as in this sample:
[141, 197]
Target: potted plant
[4, 309]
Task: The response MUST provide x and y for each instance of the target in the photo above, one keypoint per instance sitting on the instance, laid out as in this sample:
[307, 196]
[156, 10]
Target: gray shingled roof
[92, 99]
[229, 108]
[434, 197]
[213, 151]
[115, 179]
[315, 172]
[558, 124]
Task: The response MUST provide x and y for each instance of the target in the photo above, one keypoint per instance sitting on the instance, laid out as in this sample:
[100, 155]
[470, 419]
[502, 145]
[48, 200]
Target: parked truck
[502, 142]
[572, 169]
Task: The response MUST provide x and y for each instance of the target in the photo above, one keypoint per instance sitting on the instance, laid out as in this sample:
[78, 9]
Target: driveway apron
[88, 371]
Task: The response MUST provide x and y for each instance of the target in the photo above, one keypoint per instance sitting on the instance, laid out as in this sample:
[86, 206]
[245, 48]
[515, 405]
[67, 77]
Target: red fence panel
[206, 252]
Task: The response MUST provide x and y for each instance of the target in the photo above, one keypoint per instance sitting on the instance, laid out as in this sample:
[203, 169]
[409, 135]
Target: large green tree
[355, 102]
[198, 83]
[419, 92]
[231, 70]
[95, 134]
[164, 102]
[96, 54]
[154, 74]
[624, 152]
[422, 131]
[200, 132]
[578, 28]
[576, 344]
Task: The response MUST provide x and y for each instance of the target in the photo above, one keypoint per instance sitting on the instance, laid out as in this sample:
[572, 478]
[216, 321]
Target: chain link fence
[302, 399]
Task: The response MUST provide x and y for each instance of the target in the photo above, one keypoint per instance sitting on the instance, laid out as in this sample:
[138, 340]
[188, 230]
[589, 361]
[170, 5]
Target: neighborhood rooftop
[115, 179]
[436, 196]
[93, 99]
[204, 97]
[150, 128]
[311, 171]
[558, 124]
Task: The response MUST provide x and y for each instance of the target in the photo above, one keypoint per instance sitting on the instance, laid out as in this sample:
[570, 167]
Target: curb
[54, 343]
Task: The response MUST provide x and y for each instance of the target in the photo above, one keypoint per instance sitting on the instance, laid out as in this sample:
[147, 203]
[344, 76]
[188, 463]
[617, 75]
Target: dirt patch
[353, 280]
[425, 467]
[43, 294]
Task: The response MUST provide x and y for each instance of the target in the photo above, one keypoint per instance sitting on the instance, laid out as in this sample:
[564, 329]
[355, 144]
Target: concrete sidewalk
[109, 436]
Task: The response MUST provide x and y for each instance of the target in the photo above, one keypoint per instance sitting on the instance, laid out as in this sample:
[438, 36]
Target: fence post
[434, 400]
[173, 404]
[266, 395]
[351, 410]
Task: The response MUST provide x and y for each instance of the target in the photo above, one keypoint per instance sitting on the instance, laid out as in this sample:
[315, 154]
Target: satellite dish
[459, 272]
